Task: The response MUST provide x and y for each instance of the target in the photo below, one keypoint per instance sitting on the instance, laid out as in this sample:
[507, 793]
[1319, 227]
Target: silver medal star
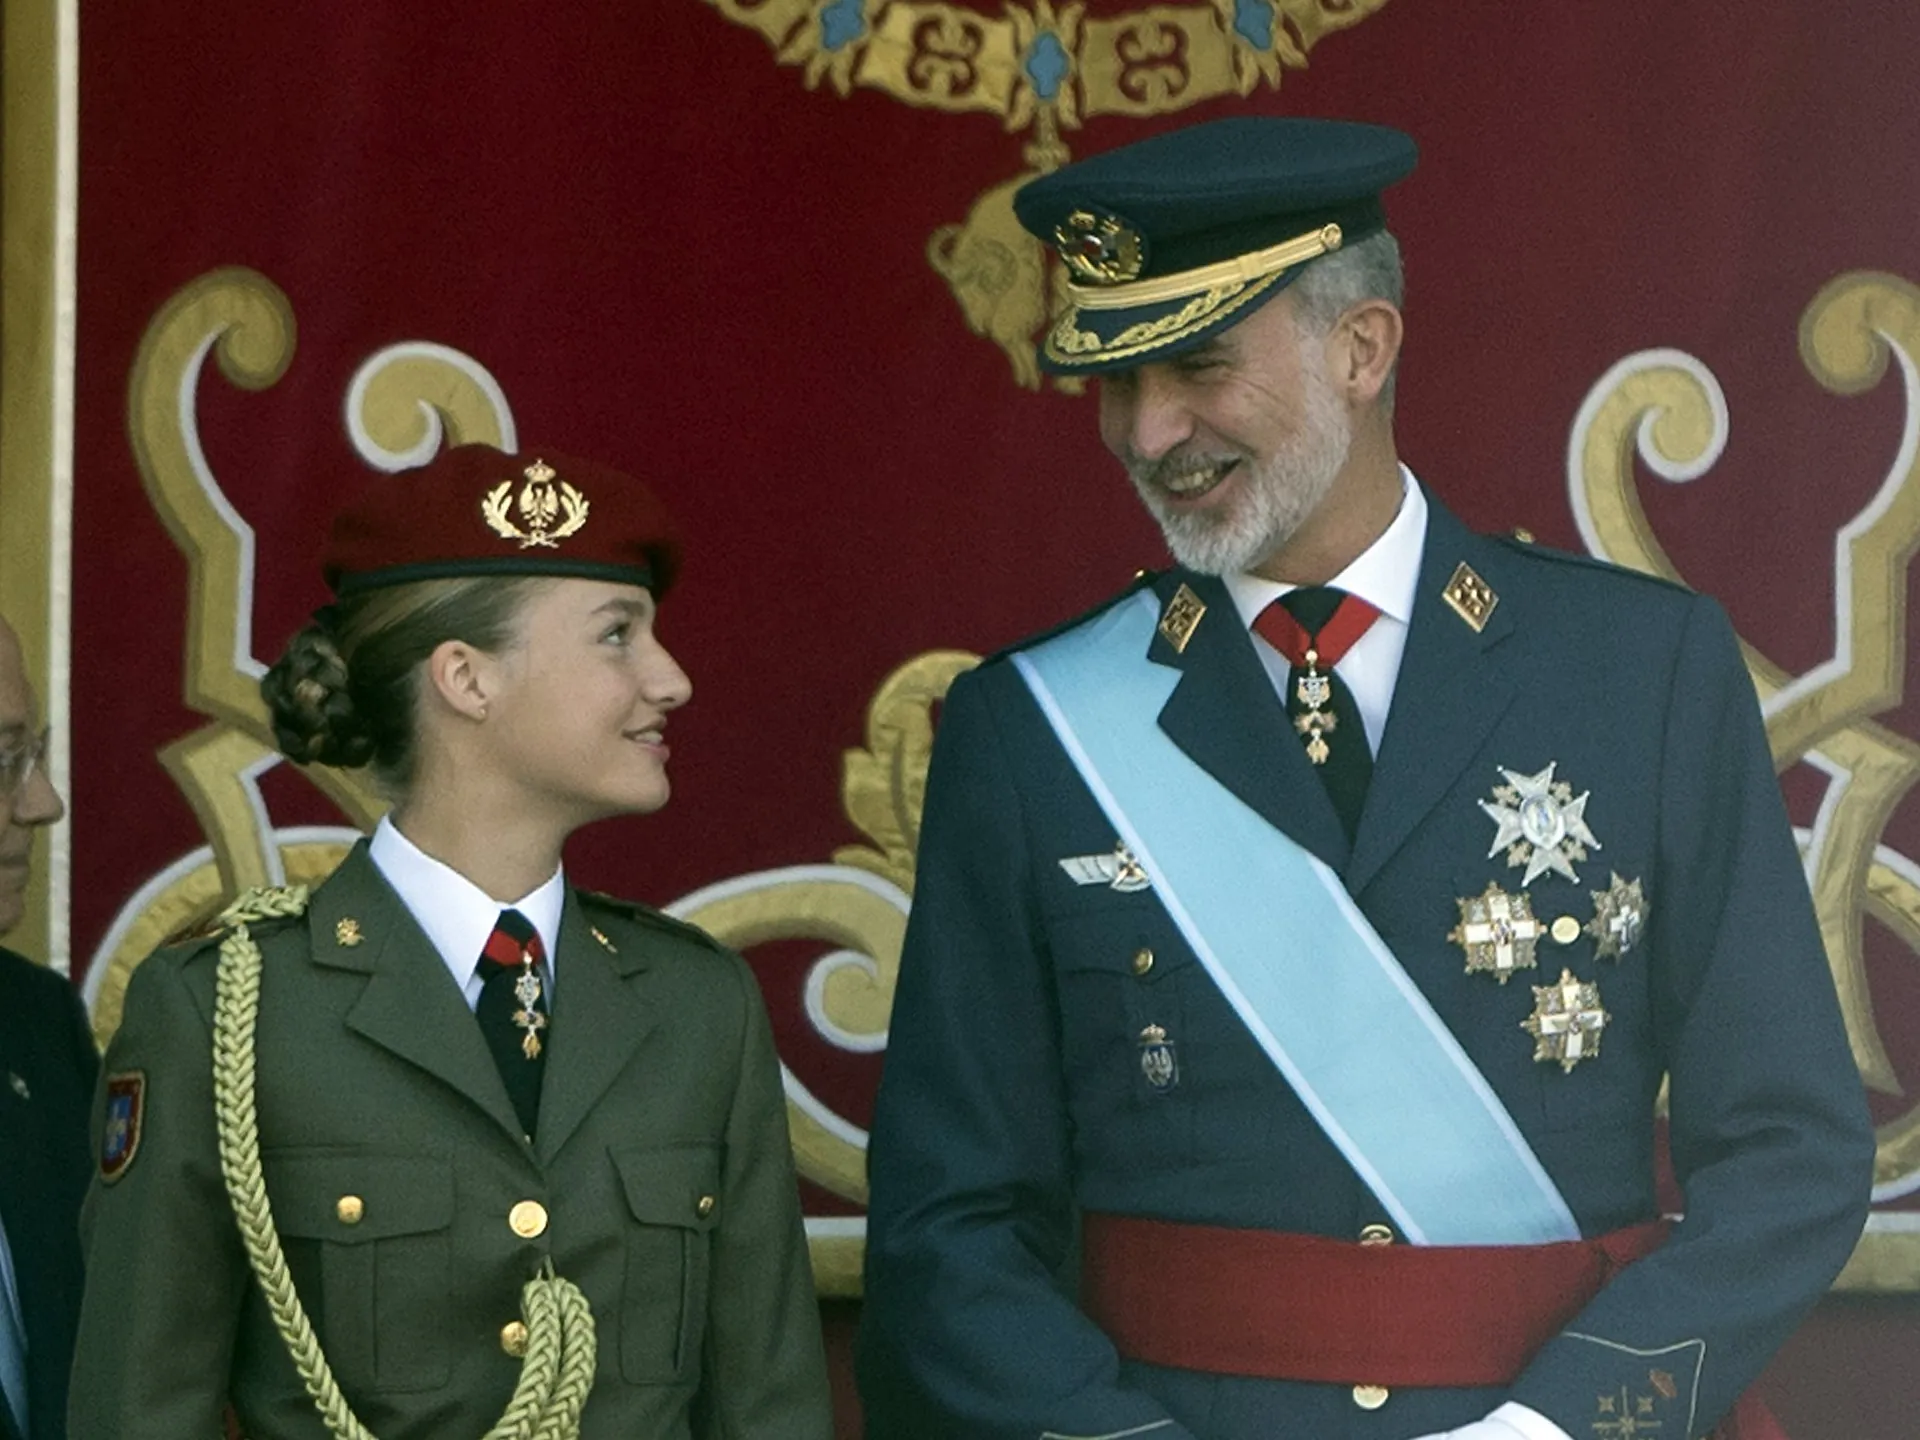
[1540, 824]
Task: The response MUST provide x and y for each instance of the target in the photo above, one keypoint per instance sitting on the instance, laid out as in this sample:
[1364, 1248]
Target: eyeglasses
[18, 762]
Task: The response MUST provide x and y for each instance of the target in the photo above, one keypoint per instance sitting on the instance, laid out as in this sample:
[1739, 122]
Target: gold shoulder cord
[557, 1372]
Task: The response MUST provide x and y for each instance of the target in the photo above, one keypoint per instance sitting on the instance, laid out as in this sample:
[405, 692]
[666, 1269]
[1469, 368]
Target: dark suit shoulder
[1566, 564]
[25, 983]
[1144, 580]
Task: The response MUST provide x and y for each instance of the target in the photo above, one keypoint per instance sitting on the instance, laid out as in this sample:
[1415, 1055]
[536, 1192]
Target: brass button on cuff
[528, 1219]
[1142, 960]
[1370, 1397]
[350, 1209]
[1376, 1235]
[705, 1206]
[513, 1339]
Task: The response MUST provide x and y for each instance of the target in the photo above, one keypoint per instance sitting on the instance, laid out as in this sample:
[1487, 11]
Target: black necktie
[513, 1011]
[1314, 627]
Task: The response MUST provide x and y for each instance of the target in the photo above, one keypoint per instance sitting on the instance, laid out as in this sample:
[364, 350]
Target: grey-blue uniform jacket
[1014, 1097]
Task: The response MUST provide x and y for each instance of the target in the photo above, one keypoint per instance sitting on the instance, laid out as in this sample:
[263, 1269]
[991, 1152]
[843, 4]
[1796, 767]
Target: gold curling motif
[1043, 66]
[1671, 408]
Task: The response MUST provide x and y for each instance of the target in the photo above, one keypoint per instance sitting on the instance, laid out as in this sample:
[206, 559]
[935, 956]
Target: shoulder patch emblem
[120, 1136]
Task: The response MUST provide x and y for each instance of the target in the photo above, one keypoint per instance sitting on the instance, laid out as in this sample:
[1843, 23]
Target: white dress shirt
[1385, 575]
[456, 914]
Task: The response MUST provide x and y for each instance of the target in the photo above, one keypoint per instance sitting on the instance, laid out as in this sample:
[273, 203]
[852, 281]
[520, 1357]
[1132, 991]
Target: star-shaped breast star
[1540, 823]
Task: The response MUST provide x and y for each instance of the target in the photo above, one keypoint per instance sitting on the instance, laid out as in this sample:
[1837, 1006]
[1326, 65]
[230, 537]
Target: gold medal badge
[551, 508]
[1567, 1021]
[1498, 931]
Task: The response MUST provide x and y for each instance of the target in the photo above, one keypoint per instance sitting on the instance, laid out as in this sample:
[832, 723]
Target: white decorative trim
[381, 458]
[836, 1227]
[816, 1110]
[189, 421]
[138, 903]
[1146, 1429]
[1673, 472]
[823, 969]
[1841, 662]
[59, 633]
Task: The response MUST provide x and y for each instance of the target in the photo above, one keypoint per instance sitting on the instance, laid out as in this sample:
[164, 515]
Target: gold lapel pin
[346, 932]
[1181, 618]
[1470, 597]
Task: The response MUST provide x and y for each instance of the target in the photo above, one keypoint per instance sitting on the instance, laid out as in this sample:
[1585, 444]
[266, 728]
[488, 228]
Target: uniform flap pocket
[1127, 938]
[671, 1184]
[351, 1197]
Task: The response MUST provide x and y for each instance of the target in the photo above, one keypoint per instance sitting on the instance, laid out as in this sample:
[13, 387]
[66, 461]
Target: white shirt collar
[1386, 574]
[456, 914]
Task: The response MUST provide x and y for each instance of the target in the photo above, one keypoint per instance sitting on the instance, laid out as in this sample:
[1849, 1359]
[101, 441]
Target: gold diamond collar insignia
[1540, 823]
[1470, 597]
[1181, 618]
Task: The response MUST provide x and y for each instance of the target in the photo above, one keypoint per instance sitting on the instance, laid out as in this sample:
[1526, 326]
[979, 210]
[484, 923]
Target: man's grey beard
[1277, 497]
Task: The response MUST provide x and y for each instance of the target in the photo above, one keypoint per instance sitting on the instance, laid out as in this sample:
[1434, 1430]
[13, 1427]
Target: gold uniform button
[1523, 535]
[350, 1209]
[705, 1206]
[1376, 1235]
[1370, 1397]
[1142, 960]
[1566, 930]
[513, 1339]
[528, 1219]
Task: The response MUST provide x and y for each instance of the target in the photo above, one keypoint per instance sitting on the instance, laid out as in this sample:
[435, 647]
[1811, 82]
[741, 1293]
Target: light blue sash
[1278, 933]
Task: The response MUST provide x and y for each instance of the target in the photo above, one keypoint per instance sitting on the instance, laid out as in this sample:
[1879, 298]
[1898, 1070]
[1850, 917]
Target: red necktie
[513, 1011]
[1314, 628]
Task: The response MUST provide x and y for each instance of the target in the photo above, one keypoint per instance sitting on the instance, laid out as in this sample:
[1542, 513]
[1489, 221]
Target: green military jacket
[659, 1181]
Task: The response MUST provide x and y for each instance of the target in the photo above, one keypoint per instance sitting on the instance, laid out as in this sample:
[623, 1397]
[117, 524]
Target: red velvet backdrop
[671, 252]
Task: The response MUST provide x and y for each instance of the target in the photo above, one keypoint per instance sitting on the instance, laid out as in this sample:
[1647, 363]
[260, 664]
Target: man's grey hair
[1369, 269]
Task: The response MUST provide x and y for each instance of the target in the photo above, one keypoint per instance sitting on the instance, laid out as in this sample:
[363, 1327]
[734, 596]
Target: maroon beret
[474, 510]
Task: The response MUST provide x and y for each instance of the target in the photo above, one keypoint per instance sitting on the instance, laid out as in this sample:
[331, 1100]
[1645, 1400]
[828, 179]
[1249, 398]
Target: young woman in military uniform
[451, 1148]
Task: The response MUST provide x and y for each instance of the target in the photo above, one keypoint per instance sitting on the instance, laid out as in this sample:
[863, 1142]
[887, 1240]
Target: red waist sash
[1303, 1307]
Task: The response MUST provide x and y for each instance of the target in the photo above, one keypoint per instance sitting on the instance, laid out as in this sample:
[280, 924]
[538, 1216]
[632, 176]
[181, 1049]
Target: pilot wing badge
[1116, 869]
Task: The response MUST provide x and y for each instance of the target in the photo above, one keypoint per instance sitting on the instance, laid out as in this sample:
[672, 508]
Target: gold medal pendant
[1314, 690]
[526, 990]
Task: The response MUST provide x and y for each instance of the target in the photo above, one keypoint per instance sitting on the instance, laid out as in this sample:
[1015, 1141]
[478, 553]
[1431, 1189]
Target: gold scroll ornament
[1666, 407]
[244, 321]
[1043, 66]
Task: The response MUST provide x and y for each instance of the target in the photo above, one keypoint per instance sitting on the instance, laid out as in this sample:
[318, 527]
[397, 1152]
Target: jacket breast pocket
[673, 1202]
[1124, 979]
[367, 1237]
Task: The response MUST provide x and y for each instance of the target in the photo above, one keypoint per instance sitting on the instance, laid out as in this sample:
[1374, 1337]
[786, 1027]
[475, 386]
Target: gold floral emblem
[552, 511]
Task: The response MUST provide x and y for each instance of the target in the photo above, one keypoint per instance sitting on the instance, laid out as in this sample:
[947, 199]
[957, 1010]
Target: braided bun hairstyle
[346, 690]
[307, 694]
